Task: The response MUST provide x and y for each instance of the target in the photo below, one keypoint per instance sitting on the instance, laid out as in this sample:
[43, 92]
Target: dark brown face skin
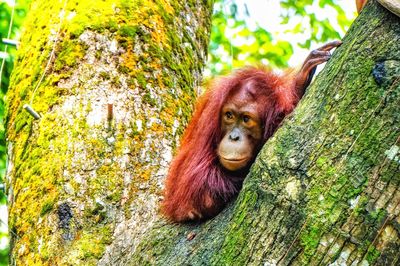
[242, 131]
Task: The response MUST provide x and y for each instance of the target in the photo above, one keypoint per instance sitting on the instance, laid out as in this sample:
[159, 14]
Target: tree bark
[325, 189]
[85, 180]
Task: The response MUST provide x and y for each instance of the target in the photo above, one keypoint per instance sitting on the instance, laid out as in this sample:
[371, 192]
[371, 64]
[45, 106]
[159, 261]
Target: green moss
[71, 53]
[123, 69]
[105, 75]
[310, 239]
[141, 80]
[91, 245]
[376, 215]
[149, 99]
[112, 26]
[240, 225]
[20, 124]
[98, 213]
[128, 31]
[322, 161]
[372, 254]
[24, 92]
[47, 207]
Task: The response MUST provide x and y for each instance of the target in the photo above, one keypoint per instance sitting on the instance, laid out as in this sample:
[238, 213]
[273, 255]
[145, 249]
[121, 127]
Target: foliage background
[236, 39]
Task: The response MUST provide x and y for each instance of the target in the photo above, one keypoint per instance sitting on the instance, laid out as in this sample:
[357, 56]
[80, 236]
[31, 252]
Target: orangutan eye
[246, 118]
[228, 115]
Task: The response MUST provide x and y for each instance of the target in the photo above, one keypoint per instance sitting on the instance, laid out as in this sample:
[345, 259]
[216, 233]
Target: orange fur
[197, 187]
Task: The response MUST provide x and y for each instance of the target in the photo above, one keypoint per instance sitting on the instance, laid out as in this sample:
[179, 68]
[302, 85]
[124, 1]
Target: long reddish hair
[195, 174]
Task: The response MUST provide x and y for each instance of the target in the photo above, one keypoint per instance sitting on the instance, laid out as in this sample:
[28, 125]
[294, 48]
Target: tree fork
[325, 188]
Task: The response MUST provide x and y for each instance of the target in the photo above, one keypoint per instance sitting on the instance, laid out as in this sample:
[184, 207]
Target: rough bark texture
[325, 189]
[82, 188]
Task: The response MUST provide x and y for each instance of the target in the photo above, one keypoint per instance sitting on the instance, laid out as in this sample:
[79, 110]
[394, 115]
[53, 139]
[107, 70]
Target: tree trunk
[325, 189]
[85, 189]
[85, 180]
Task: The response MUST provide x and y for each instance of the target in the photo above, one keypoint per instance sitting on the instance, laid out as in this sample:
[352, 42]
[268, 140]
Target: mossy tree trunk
[84, 183]
[325, 190]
